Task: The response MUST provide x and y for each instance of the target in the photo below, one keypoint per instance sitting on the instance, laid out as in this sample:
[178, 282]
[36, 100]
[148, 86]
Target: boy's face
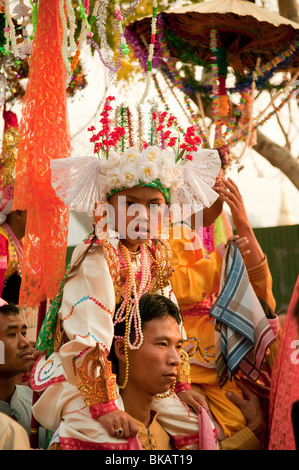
[154, 366]
[16, 350]
[138, 214]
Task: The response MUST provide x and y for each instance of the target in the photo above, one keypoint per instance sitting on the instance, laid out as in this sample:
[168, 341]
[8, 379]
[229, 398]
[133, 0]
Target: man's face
[17, 349]
[153, 367]
[139, 213]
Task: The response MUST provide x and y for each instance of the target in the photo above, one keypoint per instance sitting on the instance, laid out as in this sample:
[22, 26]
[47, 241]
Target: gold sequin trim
[99, 389]
[184, 369]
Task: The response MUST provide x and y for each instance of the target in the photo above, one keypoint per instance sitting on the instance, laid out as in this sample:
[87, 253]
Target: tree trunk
[289, 9]
[272, 152]
[278, 157]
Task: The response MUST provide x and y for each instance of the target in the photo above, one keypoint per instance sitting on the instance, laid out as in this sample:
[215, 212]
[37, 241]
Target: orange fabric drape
[44, 135]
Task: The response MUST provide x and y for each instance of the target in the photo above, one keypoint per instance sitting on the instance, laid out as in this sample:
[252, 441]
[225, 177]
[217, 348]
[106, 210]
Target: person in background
[12, 435]
[17, 357]
[12, 223]
[284, 390]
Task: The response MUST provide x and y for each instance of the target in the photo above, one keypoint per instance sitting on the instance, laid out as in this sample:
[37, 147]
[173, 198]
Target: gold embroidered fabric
[184, 369]
[154, 437]
[102, 388]
[9, 155]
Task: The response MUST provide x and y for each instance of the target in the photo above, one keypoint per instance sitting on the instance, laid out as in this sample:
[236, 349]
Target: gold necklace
[134, 253]
[159, 271]
[129, 287]
[168, 394]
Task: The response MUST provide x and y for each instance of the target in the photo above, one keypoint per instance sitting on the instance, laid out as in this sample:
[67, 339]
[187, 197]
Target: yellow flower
[148, 171]
[113, 178]
[128, 176]
[131, 155]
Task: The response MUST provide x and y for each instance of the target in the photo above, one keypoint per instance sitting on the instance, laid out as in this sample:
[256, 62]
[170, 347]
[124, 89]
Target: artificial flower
[166, 177]
[147, 171]
[128, 176]
[113, 178]
[131, 155]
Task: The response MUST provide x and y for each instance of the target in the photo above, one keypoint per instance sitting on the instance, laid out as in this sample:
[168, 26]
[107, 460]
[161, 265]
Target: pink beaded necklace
[132, 294]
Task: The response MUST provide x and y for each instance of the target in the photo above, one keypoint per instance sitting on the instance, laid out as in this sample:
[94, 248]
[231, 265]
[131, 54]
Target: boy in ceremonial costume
[116, 265]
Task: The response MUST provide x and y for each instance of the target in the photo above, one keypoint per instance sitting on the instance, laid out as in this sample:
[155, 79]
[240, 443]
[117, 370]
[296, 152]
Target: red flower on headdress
[171, 120]
[172, 141]
[191, 141]
[107, 137]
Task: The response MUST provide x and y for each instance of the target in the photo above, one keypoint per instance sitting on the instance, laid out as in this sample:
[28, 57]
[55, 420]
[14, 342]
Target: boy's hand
[119, 424]
[193, 399]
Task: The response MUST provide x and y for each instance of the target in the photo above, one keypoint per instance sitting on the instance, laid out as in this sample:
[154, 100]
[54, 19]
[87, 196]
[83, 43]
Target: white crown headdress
[123, 159]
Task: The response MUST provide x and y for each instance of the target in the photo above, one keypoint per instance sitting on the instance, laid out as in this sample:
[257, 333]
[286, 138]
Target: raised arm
[194, 276]
[255, 259]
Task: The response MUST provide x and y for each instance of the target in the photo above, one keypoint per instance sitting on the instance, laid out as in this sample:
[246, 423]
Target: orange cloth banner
[44, 135]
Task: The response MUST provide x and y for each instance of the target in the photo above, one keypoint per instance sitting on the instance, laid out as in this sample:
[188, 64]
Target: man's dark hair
[151, 307]
[9, 309]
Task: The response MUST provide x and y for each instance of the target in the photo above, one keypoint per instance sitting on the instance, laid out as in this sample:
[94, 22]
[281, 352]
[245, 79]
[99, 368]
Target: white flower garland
[64, 40]
[73, 26]
[12, 31]
[151, 48]
[70, 33]
[130, 168]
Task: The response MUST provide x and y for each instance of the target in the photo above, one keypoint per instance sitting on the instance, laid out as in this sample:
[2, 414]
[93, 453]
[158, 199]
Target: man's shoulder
[23, 393]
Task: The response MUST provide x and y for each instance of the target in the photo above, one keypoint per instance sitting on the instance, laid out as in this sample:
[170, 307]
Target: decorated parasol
[240, 46]
[245, 30]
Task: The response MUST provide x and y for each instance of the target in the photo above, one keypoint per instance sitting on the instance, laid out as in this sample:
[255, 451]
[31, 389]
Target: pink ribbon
[206, 433]
[134, 444]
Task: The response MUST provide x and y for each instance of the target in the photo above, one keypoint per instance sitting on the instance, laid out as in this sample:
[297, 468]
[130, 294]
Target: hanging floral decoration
[232, 100]
[17, 29]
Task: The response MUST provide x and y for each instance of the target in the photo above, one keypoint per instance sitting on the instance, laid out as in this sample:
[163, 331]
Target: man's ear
[119, 349]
